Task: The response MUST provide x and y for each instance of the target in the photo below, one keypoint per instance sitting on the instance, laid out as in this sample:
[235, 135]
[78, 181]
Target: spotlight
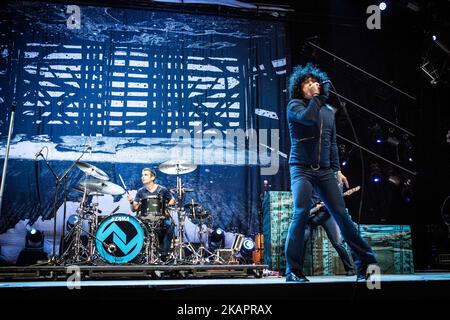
[434, 37]
[375, 173]
[217, 239]
[72, 221]
[382, 6]
[34, 239]
[377, 134]
[248, 246]
[34, 248]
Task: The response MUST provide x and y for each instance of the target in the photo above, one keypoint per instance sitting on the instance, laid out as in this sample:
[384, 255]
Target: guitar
[320, 205]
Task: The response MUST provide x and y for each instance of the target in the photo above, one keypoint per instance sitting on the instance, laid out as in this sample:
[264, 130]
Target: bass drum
[119, 238]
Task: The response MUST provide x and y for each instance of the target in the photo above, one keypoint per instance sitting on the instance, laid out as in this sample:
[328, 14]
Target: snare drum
[119, 238]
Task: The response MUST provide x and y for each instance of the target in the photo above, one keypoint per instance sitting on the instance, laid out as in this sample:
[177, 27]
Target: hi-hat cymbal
[93, 171]
[105, 187]
[177, 167]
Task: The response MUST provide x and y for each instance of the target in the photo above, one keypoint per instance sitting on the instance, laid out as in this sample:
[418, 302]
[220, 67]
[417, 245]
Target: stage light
[407, 149]
[34, 248]
[217, 235]
[72, 221]
[344, 155]
[407, 191]
[34, 238]
[394, 180]
[435, 59]
[216, 239]
[376, 133]
[375, 173]
[382, 6]
[248, 245]
[392, 139]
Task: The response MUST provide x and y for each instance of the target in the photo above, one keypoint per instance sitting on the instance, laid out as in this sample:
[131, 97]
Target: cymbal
[177, 167]
[89, 192]
[93, 171]
[105, 187]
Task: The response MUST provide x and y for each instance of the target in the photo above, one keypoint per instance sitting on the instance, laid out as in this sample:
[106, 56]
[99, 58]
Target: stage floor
[244, 290]
[265, 281]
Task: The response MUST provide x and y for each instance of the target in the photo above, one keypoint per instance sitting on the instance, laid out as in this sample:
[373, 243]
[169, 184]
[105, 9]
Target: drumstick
[126, 190]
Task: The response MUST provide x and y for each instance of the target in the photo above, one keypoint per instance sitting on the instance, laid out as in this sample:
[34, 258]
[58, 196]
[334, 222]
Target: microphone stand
[58, 181]
[361, 155]
[8, 144]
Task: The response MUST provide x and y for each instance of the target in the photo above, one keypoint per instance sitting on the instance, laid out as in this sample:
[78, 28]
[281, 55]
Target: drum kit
[120, 238]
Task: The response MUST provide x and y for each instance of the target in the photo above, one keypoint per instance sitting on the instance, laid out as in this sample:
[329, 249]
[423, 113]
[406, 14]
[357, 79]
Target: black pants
[324, 182]
[165, 236]
[163, 230]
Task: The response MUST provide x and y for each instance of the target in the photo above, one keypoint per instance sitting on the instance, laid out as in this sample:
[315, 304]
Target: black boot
[296, 276]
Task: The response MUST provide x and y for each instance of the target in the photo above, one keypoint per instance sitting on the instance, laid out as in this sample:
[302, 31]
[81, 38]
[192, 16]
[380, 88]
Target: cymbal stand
[179, 245]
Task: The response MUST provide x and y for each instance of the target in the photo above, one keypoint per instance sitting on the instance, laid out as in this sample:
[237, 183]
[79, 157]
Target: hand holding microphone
[325, 89]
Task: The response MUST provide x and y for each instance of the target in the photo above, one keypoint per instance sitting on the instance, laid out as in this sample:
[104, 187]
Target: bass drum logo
[120, 238]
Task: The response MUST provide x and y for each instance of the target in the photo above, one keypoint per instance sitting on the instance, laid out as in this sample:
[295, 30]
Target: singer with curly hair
[314, 165]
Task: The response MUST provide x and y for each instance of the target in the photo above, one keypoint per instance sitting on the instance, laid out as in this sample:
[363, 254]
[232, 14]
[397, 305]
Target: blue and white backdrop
[123, 81]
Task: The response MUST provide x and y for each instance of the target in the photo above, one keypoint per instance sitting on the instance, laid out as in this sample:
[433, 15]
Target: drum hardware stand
[199, 254]
[76, 245]
[151, 247]
[179, 167]
[178, 245]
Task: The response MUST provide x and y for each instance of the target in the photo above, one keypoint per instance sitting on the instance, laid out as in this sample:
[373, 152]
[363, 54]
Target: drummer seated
[153, 190]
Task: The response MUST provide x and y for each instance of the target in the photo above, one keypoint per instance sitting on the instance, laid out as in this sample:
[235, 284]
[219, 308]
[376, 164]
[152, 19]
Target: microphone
[37, 154]
[326, 81]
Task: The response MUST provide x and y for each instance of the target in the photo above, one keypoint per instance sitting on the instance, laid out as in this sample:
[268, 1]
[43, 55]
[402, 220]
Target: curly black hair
[300, 74]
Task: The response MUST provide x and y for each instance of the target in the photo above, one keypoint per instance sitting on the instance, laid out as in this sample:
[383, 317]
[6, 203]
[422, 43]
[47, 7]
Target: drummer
[150, 189]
